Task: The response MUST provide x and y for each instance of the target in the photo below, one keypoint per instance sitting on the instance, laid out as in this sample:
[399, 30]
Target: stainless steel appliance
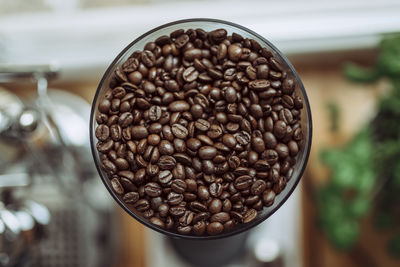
[54, 211]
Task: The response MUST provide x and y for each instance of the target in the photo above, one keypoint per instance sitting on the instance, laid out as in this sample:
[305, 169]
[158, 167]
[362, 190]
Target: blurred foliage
[365, 173]
[334, 115]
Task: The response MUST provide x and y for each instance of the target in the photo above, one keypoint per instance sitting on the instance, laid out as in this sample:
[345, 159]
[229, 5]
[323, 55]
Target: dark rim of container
[244, 227]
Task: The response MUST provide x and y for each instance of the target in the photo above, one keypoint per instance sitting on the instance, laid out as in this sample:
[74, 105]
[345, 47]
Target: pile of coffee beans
[199, 131]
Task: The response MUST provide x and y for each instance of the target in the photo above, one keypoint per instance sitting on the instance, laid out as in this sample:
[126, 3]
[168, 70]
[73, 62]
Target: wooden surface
[357, 105]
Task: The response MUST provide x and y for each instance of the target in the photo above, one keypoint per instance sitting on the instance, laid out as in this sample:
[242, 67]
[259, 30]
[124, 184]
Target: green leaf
[383, 220]
[360, 206]
[393, 246]
[357, 73]
[345, 234]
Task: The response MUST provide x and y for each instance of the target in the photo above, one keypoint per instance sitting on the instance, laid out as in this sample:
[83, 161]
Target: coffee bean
[178, 186]
[215, 189]
[243, 182]
[250, 215]
[183, 158]
[258, 144]
[139, 132]
[206, 123]
[229, 140]
[215, 228]
[177, 211]
[215, 131]
[258, 187]
[166, 148]
[186, 219]
[165, 177]
[193, 144]
[166, 162]
[199, 228]
[221, 217]
[174, 198]
[181, 41]
[179, 131]
[282, 150]
[203, 193]
[293, 148]
[152, 189]
[288, 86]
[131, 197]
[234, 52]
[268, 197]
[207, 152]
[259, 85]
[157, 222]
[116, 186]
[102, 132]
[190, 74]
[153, 139]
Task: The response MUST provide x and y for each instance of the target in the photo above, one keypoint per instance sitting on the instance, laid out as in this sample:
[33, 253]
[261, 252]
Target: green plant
[365, 173]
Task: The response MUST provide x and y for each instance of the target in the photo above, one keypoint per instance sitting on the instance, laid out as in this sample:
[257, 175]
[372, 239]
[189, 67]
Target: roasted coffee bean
[177, 211]
[179, 131]
[207, 152]
[166, 162]
[163, 210]
[139, 132]
[243, 182]
[155, 113]
[178, 186]
[199, 228]
[243, 138]
[153, 139]
[190, 74]
[259, 85]
[230, 95]
[116, 186]
[207, 167]
[157, 222]
[250, 215]
[215, 228]
[293, 148]
[258, 144]
[234, 162]
[268, 197]
[215, 131]
[282, 150]
[215, 189]
[165, 177]
[199, 130]
[202, 125]
[234, 52]
[221, 217]
[178, 106]
[116, 132]
[152, 189]
[102, 132]
[279, 129]
[174, 198]
[166, 148]
[258, 187]
[183, 158]
[193, 144]
[203, 193]
[131, 197]
[215, 206]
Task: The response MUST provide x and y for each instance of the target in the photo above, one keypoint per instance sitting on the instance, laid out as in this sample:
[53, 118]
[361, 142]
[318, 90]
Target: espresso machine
[54, 211]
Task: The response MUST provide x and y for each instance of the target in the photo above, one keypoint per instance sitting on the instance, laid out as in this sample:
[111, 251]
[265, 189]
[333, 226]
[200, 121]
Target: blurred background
[54, 211]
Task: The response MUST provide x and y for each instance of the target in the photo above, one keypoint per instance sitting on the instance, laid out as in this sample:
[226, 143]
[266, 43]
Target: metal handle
[11, 72]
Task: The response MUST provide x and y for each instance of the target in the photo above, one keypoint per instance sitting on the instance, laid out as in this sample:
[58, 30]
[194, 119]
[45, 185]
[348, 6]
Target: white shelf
[84, 42]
